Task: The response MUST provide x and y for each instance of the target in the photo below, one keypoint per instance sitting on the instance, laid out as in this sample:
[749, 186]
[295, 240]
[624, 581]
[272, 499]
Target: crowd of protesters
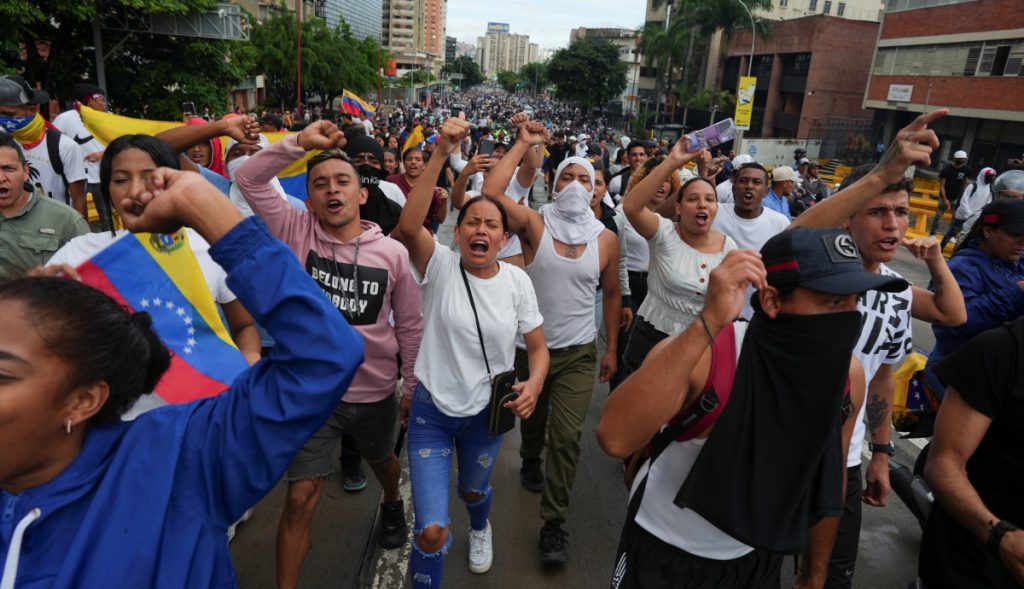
[746, 319]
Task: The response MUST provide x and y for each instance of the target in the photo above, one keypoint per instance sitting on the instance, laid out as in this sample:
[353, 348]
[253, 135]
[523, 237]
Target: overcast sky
[547, 22]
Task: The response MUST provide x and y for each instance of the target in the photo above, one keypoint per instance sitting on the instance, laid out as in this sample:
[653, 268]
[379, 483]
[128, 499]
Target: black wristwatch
[889, 448]
[995, 536]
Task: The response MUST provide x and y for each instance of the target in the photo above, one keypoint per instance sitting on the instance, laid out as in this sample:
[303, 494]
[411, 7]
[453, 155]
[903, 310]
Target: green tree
[588, 73]
[535, 75]
[508, 80]
[469, 69]
[145, 73]
[332, 60]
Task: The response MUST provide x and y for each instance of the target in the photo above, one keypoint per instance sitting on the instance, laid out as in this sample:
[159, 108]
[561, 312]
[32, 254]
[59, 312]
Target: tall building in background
[499, 50]
[964, 56]
[450, 48]
[626, 42]
[364, 16]
[413, 31]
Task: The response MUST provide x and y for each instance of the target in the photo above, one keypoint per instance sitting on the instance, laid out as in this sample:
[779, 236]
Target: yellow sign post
[745, 102]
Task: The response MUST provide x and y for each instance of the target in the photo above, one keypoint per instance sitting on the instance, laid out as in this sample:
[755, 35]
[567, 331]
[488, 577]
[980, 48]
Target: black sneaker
[553, 543]
[352, 479]
[392, 524]
[531, 475]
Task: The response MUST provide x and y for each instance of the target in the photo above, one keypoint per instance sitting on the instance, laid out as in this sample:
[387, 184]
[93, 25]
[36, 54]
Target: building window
[842, 9]
[783, 3]
[828, 7]
[813, 6]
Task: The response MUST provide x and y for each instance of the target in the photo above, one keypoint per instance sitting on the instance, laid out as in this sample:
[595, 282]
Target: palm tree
[665, 49]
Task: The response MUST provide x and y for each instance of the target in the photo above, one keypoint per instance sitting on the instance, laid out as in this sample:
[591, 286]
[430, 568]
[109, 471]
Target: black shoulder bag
[500, 419]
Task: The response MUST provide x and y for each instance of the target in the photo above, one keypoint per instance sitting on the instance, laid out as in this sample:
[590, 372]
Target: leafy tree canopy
[588, 73]
[469, 69]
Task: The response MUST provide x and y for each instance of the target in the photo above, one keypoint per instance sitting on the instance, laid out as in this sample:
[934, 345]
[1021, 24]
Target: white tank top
[566, 290]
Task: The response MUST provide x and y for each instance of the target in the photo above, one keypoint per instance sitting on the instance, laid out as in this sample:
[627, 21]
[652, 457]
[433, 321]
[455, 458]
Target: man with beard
[750, 464]
[367, 277]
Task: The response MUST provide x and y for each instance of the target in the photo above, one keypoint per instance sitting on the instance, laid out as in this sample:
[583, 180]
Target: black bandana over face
[774, 464]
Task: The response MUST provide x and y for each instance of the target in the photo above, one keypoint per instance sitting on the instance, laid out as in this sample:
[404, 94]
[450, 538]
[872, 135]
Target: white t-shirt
[41, 173]
[637, 250]
[885, 338]
[392, 191]
[749, 234]
[658, 514]
[724, 191]
[450, 363]
[678, 279]
[83, 247]
[70, 123]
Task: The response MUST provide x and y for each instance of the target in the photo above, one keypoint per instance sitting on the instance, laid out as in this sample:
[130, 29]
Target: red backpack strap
[708, 406]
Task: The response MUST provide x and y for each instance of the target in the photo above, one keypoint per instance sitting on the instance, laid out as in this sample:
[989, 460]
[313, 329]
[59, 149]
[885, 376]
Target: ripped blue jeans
[433, 438]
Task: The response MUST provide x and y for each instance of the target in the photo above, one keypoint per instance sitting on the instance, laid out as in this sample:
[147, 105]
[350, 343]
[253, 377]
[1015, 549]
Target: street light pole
[750, 66]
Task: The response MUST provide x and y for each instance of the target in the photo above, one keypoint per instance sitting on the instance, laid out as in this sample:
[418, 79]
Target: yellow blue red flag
[355, 105]
[106, 127]
[160, 275]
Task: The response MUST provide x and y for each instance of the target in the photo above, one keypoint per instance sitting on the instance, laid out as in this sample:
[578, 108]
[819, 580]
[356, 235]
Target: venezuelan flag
[354, 105]
[106, 127]
[159, 274]
[414, 138]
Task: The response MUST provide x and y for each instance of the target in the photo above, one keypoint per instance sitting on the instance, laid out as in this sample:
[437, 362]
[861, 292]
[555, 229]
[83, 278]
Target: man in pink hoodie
[366, 276]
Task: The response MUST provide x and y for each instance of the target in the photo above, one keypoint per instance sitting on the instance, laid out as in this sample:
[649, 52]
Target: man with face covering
[568, 253]
[750, 465]
[367, 277]
[384, 199]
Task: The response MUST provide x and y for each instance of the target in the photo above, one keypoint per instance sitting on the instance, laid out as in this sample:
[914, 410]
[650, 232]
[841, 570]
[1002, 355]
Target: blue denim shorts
[432, 439]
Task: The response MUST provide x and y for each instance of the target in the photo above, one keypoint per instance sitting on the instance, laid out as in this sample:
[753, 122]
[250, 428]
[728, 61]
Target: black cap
[1006, 214]
[85, 91]
[825, 260]
[271, 119]
[363, 144]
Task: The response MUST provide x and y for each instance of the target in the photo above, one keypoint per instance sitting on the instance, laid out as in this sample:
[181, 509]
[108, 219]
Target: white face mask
[573, 200]
[234, 164]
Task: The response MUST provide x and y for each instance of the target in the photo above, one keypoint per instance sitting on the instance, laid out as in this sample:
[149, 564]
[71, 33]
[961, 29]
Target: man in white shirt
[749, 223]
[70, 123]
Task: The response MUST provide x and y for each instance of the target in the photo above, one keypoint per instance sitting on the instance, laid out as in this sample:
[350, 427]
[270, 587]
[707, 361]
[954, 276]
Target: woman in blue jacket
[989, 267]
[87, 500]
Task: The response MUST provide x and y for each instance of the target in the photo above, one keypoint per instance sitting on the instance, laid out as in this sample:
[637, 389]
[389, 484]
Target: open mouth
[702, 219]
[889, 243]
[334, 205]
[479, 246]
[4, 193]
[748, 197]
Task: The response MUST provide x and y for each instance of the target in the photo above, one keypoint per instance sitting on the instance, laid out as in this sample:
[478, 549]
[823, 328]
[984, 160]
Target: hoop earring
[67, 426]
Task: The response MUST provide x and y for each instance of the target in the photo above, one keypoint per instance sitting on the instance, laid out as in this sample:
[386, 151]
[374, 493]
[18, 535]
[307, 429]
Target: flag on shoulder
[160, 275]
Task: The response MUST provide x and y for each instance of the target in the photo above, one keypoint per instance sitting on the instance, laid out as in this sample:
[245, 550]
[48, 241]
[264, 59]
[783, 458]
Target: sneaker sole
[532, 488]
[354, 488]
[554, 558]
[481, 569]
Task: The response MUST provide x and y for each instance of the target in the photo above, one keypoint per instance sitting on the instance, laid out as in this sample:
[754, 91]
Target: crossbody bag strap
[479, 332]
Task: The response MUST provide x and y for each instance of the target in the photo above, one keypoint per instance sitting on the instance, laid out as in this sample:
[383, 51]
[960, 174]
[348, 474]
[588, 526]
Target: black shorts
[644, 561]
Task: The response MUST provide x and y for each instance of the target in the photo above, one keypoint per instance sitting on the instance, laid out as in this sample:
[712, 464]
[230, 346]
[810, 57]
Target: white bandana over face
[569, 218]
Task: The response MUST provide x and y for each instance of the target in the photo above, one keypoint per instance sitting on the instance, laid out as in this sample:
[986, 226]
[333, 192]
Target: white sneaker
[480, 553]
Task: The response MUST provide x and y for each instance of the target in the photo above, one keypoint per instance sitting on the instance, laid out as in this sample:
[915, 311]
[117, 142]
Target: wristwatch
[995, 536]
[888, 448]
